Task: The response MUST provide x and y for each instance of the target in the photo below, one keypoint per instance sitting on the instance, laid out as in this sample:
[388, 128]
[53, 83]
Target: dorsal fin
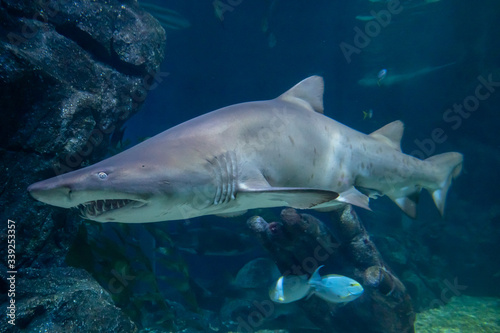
[390, 134]
[308, 93]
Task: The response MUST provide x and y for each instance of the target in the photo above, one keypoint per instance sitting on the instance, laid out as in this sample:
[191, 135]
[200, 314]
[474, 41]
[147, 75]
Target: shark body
[280, 152]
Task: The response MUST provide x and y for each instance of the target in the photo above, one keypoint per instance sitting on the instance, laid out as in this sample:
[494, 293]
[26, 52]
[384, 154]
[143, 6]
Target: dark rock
[385, 305]
[71, 74]
[63, 300]
[82, 69]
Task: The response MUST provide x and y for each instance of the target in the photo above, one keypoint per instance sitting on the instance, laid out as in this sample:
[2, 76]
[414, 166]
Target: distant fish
[218, 11]
[409, 4]
[364, 18]
[332, 288]
[367, 114]
[257, 274]
[265, 24]
[169, 19]
[371, 80]
[271, 40]
[381, 75]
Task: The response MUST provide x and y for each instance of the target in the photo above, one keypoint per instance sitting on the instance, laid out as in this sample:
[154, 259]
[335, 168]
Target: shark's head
[120, 189]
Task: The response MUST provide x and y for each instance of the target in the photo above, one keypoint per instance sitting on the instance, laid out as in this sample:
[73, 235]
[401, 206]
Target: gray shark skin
[280, 152]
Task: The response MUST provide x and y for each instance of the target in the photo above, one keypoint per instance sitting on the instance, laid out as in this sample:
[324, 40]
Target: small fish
[335, 288]
[256, 274]
[367, 114]
[289, 289]
[381, 75]
[332, 288]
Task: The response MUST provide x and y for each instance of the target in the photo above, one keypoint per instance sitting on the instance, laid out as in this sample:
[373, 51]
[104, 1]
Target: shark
[259, 154]
[371, 80]
[169, 19]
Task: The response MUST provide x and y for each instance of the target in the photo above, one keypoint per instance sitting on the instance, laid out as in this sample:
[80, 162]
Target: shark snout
[48, 192]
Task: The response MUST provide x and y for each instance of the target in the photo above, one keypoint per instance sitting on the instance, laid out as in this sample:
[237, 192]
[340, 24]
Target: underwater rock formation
[299, 243]
[63, 299]
[71, 74]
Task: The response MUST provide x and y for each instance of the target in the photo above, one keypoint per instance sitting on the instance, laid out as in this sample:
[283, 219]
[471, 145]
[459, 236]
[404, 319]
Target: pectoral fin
[300, 198]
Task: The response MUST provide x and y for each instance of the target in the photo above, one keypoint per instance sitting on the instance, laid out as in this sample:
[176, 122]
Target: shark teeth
[98, 207]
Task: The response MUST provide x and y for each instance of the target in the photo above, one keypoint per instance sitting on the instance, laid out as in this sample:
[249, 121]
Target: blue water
[217, 63]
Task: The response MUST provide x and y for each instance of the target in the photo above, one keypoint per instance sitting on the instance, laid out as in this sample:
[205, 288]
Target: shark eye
[102, 175]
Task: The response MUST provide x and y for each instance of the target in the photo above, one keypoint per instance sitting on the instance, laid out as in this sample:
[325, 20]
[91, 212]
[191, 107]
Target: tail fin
[449, 166]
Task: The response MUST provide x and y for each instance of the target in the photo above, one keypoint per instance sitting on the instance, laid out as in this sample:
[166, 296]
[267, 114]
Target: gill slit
[226, 173]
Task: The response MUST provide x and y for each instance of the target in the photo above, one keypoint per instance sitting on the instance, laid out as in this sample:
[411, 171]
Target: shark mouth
[99, 207]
